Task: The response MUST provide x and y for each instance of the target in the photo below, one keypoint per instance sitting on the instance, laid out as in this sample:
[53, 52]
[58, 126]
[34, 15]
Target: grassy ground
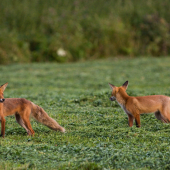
[98, 136]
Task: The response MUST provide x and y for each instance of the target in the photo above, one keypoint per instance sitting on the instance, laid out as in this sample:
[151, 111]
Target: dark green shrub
[64, 31]
[155, 36]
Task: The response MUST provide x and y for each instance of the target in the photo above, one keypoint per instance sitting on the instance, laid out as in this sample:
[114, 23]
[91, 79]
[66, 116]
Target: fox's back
[150, 103]
[14, 105]
[153, 99]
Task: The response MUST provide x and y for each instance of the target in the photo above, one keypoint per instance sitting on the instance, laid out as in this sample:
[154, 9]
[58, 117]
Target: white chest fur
[124, 108]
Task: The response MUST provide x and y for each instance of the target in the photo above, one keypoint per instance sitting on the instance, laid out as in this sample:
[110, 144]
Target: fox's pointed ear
[125, 85]
[3, 87]
[111, 86]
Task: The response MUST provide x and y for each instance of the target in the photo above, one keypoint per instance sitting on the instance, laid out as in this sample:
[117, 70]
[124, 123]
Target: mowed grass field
[77, 96]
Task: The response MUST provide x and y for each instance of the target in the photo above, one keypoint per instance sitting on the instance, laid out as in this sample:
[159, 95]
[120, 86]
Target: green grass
[77, 96]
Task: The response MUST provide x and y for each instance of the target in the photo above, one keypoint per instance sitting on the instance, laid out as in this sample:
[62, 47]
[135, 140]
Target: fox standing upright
[134, 106]
[22, 109]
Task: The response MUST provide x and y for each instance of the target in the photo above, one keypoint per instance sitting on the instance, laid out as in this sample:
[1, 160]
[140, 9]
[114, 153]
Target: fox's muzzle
[112, 98]
[2, 100]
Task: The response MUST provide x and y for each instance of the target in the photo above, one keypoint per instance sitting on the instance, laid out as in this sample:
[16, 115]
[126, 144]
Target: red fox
[134, 106]
[22, 109]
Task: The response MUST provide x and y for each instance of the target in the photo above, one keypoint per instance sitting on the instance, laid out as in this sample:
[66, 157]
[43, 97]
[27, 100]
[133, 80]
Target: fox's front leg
[137, 120]
[130, 120]
[2, 126]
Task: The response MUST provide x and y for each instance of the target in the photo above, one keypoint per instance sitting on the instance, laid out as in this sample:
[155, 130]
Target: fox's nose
[2, 100]
[112, 98]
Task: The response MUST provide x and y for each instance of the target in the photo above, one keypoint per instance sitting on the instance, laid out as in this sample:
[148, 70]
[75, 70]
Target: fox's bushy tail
[41, 116]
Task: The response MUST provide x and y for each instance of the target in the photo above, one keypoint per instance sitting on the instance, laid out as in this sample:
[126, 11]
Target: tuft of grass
[97, 134]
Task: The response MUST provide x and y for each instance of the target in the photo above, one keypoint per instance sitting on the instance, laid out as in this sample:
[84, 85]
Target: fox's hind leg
[20, 122]
[159, 116]
[25, 115]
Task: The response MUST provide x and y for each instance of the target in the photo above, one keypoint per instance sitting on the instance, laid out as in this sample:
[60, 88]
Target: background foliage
[77, 96]
[63, 31]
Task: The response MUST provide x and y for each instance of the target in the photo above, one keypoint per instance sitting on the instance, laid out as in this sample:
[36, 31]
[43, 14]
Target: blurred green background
[74, 30]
